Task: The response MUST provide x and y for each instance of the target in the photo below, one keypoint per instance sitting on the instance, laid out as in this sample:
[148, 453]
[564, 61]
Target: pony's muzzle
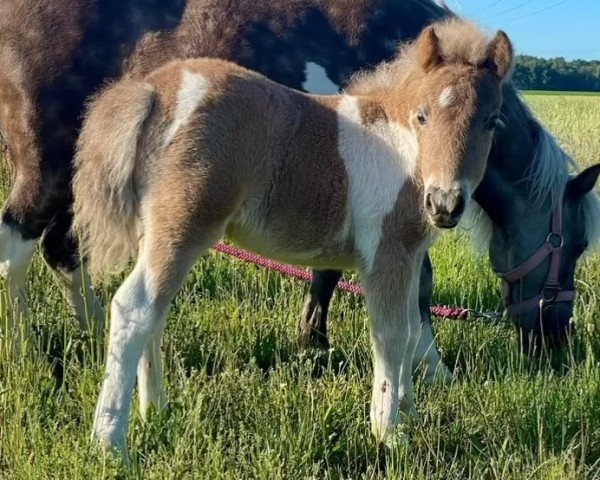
[445, 207]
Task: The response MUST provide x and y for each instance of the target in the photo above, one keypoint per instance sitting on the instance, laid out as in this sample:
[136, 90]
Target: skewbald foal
[203, 149]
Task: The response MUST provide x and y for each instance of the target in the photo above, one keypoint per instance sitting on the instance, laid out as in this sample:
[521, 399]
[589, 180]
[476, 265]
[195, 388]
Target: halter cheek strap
[551, 293]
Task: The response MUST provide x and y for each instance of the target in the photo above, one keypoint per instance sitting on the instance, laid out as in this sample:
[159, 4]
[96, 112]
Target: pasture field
[245, 403]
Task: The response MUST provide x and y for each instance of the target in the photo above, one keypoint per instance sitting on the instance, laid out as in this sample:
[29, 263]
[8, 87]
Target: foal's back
[231, 130]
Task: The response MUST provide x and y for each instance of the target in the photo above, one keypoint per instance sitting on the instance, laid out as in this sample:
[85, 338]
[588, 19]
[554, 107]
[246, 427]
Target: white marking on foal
[446, 97]
[379, 158]
[134, 321]
[192, 90]
[317, 81]
[15, 256]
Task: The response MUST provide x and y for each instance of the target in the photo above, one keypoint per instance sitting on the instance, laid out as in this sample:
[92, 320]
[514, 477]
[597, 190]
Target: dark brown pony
[55, 53]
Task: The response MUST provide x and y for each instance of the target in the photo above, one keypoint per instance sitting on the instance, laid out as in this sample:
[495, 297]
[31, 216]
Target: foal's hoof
[438, 375]
[107, 434]
[395, 440]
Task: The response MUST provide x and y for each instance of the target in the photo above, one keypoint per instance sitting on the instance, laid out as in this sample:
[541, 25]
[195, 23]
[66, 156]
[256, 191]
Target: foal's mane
[460, 41]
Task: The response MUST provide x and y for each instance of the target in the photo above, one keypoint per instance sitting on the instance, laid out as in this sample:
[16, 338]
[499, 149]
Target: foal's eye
[492, 122]
[421, 117]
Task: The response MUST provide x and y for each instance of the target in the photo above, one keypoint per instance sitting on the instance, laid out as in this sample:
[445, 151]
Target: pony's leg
[20, 231]
[394, 334]
[16, 251]
[60, 252]
[312, 327]
[426, 352]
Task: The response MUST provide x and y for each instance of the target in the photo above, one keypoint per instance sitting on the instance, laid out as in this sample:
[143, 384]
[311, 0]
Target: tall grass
[245, 403]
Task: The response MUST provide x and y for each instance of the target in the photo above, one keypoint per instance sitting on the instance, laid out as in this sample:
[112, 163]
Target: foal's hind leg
[174, 235]
[312, 327]
[426, 352]
[138, 316]
[60, 251]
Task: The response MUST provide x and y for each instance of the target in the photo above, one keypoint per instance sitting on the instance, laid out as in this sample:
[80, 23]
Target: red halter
[551, 293]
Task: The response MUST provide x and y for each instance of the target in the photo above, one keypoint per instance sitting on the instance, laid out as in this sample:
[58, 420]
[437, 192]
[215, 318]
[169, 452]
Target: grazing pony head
[449, 86]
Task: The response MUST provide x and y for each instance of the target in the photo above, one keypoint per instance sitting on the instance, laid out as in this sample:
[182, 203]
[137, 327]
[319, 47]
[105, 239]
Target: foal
[204, 148]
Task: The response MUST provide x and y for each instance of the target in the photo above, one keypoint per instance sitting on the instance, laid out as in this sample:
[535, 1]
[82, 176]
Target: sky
[544, 28]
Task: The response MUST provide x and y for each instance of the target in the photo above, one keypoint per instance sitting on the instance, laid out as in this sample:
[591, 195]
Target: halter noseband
[551, 293]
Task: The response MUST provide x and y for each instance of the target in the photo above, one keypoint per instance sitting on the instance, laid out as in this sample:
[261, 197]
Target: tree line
[534, 73]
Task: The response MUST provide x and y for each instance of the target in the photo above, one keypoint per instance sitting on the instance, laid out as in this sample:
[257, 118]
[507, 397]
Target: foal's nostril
[428, 203]
[457, 205]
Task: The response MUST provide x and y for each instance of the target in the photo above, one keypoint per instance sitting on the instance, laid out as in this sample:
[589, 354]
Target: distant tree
[534, 73]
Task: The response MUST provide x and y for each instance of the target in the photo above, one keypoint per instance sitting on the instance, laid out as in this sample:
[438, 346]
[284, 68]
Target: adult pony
[168, 164]
[42, 92]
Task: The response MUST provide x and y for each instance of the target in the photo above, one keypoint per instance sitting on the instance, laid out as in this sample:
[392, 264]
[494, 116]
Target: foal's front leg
[426, 352]
[391, 294]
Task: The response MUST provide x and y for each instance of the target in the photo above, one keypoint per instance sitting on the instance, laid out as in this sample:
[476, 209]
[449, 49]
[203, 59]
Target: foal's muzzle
[445, 207]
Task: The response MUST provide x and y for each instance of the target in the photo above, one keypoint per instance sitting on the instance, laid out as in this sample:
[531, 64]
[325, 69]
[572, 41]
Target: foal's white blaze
[191, 92]
[317, 81]
[379, 158]
[446, 97]
[15, 256]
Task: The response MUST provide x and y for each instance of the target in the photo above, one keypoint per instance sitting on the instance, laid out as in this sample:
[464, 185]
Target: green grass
[245, 403]
[561, 93]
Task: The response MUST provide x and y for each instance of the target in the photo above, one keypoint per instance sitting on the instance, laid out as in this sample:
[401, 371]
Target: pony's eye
[492, 122]
[421, 117]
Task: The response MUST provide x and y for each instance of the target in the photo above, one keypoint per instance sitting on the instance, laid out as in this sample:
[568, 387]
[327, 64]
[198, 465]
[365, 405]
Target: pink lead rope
[437, 310]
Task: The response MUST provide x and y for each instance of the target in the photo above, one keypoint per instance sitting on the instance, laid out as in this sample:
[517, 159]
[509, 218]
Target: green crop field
[246, 403]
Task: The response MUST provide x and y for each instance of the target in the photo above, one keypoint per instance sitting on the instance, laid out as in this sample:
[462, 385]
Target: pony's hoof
[309, 337]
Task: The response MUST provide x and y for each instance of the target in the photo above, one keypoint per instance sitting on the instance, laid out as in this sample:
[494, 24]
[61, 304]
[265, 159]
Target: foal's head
[446, 87]
[454, 110]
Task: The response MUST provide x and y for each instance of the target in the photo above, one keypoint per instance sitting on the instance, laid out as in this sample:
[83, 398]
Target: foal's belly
[292, 246]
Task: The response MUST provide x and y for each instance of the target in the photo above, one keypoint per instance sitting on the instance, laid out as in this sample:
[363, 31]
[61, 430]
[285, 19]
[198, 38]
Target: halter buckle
[550, 293]
[555, 236]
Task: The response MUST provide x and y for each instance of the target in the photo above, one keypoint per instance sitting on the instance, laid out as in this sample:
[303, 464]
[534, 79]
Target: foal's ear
[500, 55]
[428, 49]
[583, 183]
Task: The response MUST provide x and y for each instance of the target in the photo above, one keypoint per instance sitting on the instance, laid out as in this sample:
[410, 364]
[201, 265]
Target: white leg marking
[317, 81]
[378, 158]
[427, 354]
[406, 393]
[135, 318]
[150, 378]
[394, 339]
[191, 92]
[15, 256]
[82, 300]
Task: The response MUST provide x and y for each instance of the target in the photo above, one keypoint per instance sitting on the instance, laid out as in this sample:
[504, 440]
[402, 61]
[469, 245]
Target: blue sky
[544, 28]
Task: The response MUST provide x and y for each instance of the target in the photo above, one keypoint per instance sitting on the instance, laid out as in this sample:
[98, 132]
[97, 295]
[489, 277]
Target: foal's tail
[106, 203]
